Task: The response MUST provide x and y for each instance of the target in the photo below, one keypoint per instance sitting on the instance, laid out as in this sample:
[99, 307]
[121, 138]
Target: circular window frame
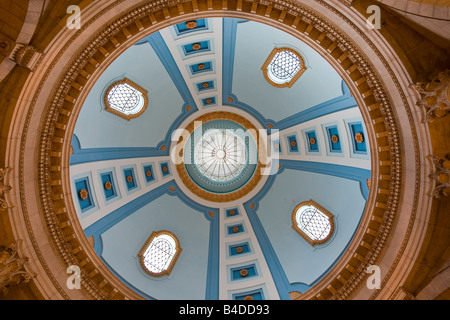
[297, 75]
[324, 211]
[109, 108]
[153, 236]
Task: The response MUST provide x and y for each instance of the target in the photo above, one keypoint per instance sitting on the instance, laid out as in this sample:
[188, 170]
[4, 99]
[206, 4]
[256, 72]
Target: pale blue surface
[188, 278]
[254, 43]
[342, 197]
[97, 128]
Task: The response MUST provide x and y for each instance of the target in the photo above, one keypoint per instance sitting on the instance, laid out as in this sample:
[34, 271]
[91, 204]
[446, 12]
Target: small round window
[313, 222]
[283, 67]
[126, 99]
[159, 254]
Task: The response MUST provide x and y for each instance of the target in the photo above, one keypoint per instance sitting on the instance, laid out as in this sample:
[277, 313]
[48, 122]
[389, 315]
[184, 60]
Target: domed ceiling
[240, 127]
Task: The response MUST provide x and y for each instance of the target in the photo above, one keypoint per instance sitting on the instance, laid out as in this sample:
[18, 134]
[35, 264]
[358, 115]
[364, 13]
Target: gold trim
[146, 245]
[117, 112]
[321, 209]
[216, 197]
[108, 185]
[296, 76]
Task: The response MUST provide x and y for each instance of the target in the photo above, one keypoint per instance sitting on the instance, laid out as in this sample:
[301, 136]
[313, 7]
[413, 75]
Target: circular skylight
[220, 155]
[283, 66]
[125, 98]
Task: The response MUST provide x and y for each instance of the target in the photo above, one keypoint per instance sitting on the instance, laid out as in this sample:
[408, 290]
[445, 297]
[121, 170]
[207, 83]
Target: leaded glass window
[159, 254]
[283, 67]
[126, 99]
[313, 222]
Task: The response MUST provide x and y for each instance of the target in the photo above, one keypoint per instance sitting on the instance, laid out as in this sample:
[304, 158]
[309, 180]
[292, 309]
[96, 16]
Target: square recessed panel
[201, 68]
[312, 142]
[210, 101]
[165, 169]
[276, 146]
[108, 184]
[358, 137]
[196, 47]
[205, 85]
[334, 140]
[243, 272]
[233, 212]
[84, 194]
[292, 143]
[149, 173]
[239, 249]
[130, 179]
[235, 229]
[191, 26]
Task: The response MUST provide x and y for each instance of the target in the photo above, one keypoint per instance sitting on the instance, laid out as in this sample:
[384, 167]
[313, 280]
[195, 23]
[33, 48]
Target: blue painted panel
[236, 272]
[233, 249]
[334, 146]
[209, 101]
[205, 86]
[201, 67]
[108, 177]
[255, 294]
[239, 229]
[312, 147]
[88, 203]
[276, 146]
[358, 147]
[165, 169]
[181, 28]
[292, 143]
[188, 49]
[130, 184]
[149, 173]
[233, 212]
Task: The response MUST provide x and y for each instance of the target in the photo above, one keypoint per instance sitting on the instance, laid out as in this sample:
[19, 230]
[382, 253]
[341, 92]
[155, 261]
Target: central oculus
[220, 155]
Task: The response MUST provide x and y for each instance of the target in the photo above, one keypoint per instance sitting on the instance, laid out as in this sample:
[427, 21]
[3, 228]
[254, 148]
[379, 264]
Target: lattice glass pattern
[125, 98]
[159, 254]
[313, 222]
[284, 66]
[220, 155]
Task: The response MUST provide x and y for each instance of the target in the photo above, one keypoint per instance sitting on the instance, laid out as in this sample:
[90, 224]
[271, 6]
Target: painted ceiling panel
[254, 43]
[97, 128]
[188, 277]
[342, 197]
